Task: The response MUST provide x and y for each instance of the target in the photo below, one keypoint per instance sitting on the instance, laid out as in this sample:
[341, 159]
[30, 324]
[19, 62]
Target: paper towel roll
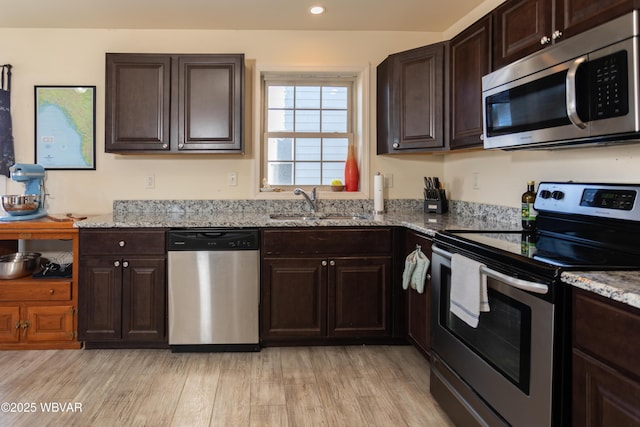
[378, 193]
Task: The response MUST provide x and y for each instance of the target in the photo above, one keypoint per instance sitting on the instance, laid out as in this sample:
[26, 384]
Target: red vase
[351, 175]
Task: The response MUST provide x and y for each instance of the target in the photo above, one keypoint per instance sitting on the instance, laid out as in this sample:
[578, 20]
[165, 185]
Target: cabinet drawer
[333, 241]
[121, 242]
[41, 291]
[608, 330]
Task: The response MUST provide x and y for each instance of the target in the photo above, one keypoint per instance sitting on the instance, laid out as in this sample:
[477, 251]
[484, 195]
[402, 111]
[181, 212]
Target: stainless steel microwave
[584, 90]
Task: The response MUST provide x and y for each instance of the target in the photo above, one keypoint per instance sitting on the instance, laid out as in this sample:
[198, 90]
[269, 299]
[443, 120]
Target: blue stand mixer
[30, 205]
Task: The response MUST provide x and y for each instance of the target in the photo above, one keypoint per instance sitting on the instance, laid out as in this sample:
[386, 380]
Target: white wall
[70, 57]
[503, 176]
[64, 57]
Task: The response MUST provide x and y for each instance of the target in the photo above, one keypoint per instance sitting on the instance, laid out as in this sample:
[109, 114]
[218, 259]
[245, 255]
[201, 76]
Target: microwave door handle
[572, 105]
[525, 285]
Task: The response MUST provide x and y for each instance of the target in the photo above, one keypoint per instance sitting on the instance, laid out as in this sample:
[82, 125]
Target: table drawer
[41, 291]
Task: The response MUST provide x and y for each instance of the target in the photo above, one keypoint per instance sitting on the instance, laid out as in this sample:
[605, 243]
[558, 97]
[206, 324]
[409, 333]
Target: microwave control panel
[608, 86]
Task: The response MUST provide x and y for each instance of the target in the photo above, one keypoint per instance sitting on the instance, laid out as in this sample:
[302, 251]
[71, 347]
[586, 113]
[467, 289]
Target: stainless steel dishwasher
[214, 285]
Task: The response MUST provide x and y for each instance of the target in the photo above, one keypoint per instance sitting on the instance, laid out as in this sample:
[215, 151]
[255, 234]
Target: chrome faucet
[310, 199]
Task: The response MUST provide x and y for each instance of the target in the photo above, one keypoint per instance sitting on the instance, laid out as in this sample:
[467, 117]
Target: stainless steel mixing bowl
[21, 204]
[18, 264]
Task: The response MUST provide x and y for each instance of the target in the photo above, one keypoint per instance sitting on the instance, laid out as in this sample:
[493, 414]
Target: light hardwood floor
[292, 386]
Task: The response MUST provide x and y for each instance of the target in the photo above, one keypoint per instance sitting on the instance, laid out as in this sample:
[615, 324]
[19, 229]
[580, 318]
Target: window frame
[298, 80]
[359, 104]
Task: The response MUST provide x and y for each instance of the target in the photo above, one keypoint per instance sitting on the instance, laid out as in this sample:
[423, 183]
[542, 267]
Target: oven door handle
[525, 285]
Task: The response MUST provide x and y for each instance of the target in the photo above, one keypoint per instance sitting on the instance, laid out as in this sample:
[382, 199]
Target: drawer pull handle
[51, 291]
[122, 243]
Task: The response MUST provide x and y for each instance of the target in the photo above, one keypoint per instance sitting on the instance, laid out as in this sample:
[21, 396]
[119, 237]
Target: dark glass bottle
[528, 212]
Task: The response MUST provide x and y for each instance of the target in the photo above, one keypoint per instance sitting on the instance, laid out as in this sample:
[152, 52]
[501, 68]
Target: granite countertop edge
[622, 286]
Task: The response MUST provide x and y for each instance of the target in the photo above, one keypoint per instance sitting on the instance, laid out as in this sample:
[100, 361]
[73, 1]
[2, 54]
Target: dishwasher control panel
[212, 239]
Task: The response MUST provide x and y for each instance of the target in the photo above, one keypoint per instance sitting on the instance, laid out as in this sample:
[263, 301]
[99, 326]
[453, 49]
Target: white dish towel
[468, 295]
[419, 276]
[416, 266]
[409, 267]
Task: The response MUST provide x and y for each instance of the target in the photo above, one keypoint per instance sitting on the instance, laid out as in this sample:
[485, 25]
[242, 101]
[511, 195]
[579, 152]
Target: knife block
[438, 205]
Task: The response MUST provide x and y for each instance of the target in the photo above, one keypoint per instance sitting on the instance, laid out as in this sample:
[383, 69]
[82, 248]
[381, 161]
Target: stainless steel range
[513, 366]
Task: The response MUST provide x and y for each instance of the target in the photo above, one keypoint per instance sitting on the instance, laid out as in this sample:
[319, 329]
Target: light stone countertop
[623, 286]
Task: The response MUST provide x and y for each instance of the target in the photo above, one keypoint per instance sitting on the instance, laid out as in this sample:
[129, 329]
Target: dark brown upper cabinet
[522, 27]
[161, 103]
[410, 94]
[470, 59]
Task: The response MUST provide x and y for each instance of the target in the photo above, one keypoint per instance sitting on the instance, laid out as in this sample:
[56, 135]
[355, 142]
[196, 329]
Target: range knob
[557, 195]
[545, 194]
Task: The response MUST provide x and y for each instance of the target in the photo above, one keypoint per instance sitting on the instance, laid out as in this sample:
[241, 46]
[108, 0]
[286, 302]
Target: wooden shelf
[48, 307]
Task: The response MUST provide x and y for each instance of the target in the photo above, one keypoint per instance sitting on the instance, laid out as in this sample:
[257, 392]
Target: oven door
[508, 359]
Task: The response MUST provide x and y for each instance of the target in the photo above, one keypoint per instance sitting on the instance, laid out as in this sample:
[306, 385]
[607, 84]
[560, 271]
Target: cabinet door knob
[556, 34]
[332, 263]
[396, 145]
[165, 145]
[122, 243]
[51, 292]
[324, 263]
[25, 325]
[125, 264]
[116, 263]
[180, 146]
[545, 40]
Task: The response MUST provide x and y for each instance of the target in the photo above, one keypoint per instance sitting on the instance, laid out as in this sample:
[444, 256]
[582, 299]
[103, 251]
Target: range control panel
[618, 201]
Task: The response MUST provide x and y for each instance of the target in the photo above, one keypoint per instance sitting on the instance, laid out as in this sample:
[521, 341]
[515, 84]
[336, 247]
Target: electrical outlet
[232, 179]
[149, 182]
[388, 180]
[476, 180]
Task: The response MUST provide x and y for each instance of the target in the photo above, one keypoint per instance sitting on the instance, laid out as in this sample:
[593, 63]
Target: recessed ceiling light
[316, 10]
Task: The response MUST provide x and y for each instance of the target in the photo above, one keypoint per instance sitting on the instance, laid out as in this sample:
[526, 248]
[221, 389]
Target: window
[308, 125]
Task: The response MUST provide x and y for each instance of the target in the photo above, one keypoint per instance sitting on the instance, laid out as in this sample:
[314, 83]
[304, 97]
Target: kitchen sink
[348, 217]
[319, 217]
[293, 217]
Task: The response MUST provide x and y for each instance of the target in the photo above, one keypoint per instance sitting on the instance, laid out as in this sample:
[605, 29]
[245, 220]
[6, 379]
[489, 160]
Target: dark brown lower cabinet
[418, 322]
[324, 286]
[294, 298]
[359, 295]
[122, 293]
[606, 373]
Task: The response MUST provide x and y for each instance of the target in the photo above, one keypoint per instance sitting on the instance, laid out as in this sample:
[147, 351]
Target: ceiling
[355, 15]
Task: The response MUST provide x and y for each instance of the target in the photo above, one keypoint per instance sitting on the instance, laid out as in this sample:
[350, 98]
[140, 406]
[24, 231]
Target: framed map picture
[65, 127]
